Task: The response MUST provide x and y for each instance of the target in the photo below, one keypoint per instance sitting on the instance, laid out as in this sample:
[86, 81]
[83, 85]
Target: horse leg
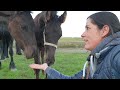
[37, 61]
[1, 48]
[0, 64]
[42, 58]
[6, 51]
[44, 54]
[12, 64]
[18, 49]
[2, 51]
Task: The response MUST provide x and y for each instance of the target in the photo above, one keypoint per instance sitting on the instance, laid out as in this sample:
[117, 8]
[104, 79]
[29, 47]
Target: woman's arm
[54, 74]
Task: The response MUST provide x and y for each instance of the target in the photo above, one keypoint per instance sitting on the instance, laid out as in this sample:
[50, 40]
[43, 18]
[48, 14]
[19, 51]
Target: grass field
[68, 61]
[68, 42]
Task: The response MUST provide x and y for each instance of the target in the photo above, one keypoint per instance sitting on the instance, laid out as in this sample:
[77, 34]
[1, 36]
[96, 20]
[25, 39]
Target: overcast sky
[75, 22]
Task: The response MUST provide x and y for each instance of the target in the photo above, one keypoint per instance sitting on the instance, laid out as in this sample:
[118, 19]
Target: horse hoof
[19, 53]
[1, 60]
[13, 69]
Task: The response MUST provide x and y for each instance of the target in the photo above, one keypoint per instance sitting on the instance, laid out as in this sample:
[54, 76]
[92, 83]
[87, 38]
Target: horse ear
[47, 16]
[62, 18]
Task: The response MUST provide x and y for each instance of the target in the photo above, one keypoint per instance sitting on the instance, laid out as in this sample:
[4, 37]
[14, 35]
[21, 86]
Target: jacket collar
[111, 40]
[105, 46]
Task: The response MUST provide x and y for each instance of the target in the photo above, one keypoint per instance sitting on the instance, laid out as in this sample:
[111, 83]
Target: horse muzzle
[30, 52]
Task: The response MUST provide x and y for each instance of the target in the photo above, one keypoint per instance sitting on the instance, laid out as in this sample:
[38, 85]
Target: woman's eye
[87, 28]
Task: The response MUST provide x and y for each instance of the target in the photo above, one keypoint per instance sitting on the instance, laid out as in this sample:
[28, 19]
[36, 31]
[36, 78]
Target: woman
[102, 38]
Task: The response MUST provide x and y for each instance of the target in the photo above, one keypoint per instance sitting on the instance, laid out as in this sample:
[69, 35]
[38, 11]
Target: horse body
[21, 27]
[38, 36]
[48, 32]
[5, 39]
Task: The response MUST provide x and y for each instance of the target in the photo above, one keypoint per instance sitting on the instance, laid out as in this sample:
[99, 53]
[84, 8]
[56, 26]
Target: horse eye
[24, 28]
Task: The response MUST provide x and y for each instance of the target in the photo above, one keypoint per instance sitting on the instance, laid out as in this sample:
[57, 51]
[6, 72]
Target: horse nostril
[29, 52]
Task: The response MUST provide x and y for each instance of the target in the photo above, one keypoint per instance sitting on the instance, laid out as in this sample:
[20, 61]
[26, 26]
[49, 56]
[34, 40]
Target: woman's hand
[39, 66]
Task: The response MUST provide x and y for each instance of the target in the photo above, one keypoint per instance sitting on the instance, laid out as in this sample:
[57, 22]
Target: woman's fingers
[35, 66]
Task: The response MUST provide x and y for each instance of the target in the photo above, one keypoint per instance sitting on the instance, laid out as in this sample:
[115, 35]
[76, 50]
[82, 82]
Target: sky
[74, 24]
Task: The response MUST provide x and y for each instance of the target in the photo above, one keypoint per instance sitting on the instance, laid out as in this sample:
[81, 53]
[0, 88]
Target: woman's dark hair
[106, 18]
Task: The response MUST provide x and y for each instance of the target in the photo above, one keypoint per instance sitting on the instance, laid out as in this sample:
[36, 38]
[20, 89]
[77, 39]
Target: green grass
[69, 63]
[70, 58]
[66, 63]
[23, 71]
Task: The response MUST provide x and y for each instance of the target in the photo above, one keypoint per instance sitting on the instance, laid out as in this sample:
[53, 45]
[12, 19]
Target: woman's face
[92, 35]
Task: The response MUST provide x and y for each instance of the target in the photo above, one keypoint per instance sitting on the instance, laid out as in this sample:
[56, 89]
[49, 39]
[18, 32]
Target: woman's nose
[82, 35]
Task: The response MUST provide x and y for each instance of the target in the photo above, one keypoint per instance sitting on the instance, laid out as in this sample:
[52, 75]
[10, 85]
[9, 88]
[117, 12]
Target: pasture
[68, 61]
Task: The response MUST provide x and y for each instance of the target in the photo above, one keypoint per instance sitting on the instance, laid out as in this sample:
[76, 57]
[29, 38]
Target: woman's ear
[105, 31]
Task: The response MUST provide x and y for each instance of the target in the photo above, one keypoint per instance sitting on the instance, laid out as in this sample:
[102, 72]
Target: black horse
[19, 25]
[48, 32]
[5, 39]
[47, 28]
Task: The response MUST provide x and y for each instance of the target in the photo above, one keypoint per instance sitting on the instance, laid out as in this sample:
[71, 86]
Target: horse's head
[21, 27]
[52, 33]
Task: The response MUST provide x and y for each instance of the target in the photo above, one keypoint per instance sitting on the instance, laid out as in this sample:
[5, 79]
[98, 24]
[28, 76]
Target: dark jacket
[107, 56]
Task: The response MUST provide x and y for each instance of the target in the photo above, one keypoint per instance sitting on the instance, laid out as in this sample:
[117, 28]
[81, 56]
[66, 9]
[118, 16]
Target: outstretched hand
[39, 66]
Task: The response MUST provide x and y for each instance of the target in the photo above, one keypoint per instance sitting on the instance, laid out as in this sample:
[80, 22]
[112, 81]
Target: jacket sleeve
[54, 74]
[116, 63]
